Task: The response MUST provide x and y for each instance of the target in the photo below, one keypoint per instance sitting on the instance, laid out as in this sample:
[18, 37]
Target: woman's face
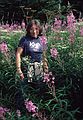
[34, 31]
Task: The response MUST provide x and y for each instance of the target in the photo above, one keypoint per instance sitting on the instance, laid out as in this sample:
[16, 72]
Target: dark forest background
[17, 10]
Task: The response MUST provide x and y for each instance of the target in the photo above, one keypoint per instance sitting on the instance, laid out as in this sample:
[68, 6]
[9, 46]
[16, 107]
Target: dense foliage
[60, 96]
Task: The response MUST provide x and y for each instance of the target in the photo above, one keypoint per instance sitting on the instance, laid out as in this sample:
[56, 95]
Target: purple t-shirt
[32, 47]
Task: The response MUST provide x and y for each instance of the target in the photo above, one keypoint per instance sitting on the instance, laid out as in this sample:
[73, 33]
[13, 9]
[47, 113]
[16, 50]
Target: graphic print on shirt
[35, 46]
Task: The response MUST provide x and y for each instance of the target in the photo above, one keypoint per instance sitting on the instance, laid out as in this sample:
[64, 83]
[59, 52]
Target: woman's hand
[18, 62]
[20, 73]
[45, 68]
[21, 76]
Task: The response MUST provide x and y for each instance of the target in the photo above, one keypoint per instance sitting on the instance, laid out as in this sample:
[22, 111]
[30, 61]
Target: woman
[31, 61]
[31, 46]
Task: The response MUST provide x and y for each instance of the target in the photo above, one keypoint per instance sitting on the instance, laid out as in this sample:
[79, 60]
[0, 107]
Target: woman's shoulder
[23, 39]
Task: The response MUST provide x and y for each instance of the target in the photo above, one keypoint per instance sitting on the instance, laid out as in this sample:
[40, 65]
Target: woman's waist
[36, 63]
[31, 60]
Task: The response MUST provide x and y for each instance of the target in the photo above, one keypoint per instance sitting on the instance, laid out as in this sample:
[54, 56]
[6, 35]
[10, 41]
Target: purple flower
[3, 47]
[57, 23]
[3, 111]
[7, 25]
[46, 77]
[18, 113]
[71, 22]
[30, 106]
[44, 41]
[54, 52]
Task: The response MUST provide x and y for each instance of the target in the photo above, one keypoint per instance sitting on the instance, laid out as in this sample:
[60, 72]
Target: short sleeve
[22, 42]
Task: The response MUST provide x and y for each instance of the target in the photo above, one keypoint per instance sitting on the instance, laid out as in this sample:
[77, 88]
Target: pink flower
[54, 52]
[57, 23]
[3, 47]
[71, 22]
[30, 106]
[71, 18]
[46, 77]
[12, 27]
[3, 111]
[15, 26]
[44, 41]
[7, 26]
[4, 26]
[18, 113]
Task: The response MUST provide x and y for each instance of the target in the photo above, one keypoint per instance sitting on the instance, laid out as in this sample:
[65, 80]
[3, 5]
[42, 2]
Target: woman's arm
[18, 62]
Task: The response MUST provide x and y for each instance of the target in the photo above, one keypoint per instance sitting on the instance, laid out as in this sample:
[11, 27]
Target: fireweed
[3, 112]
[60, 49]
[31, 107]
[18, 113]
[13, 27]
[3, 47]
[49, 80]
[5, 51]
[57, 24]
[54, 52]
[71, 27]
